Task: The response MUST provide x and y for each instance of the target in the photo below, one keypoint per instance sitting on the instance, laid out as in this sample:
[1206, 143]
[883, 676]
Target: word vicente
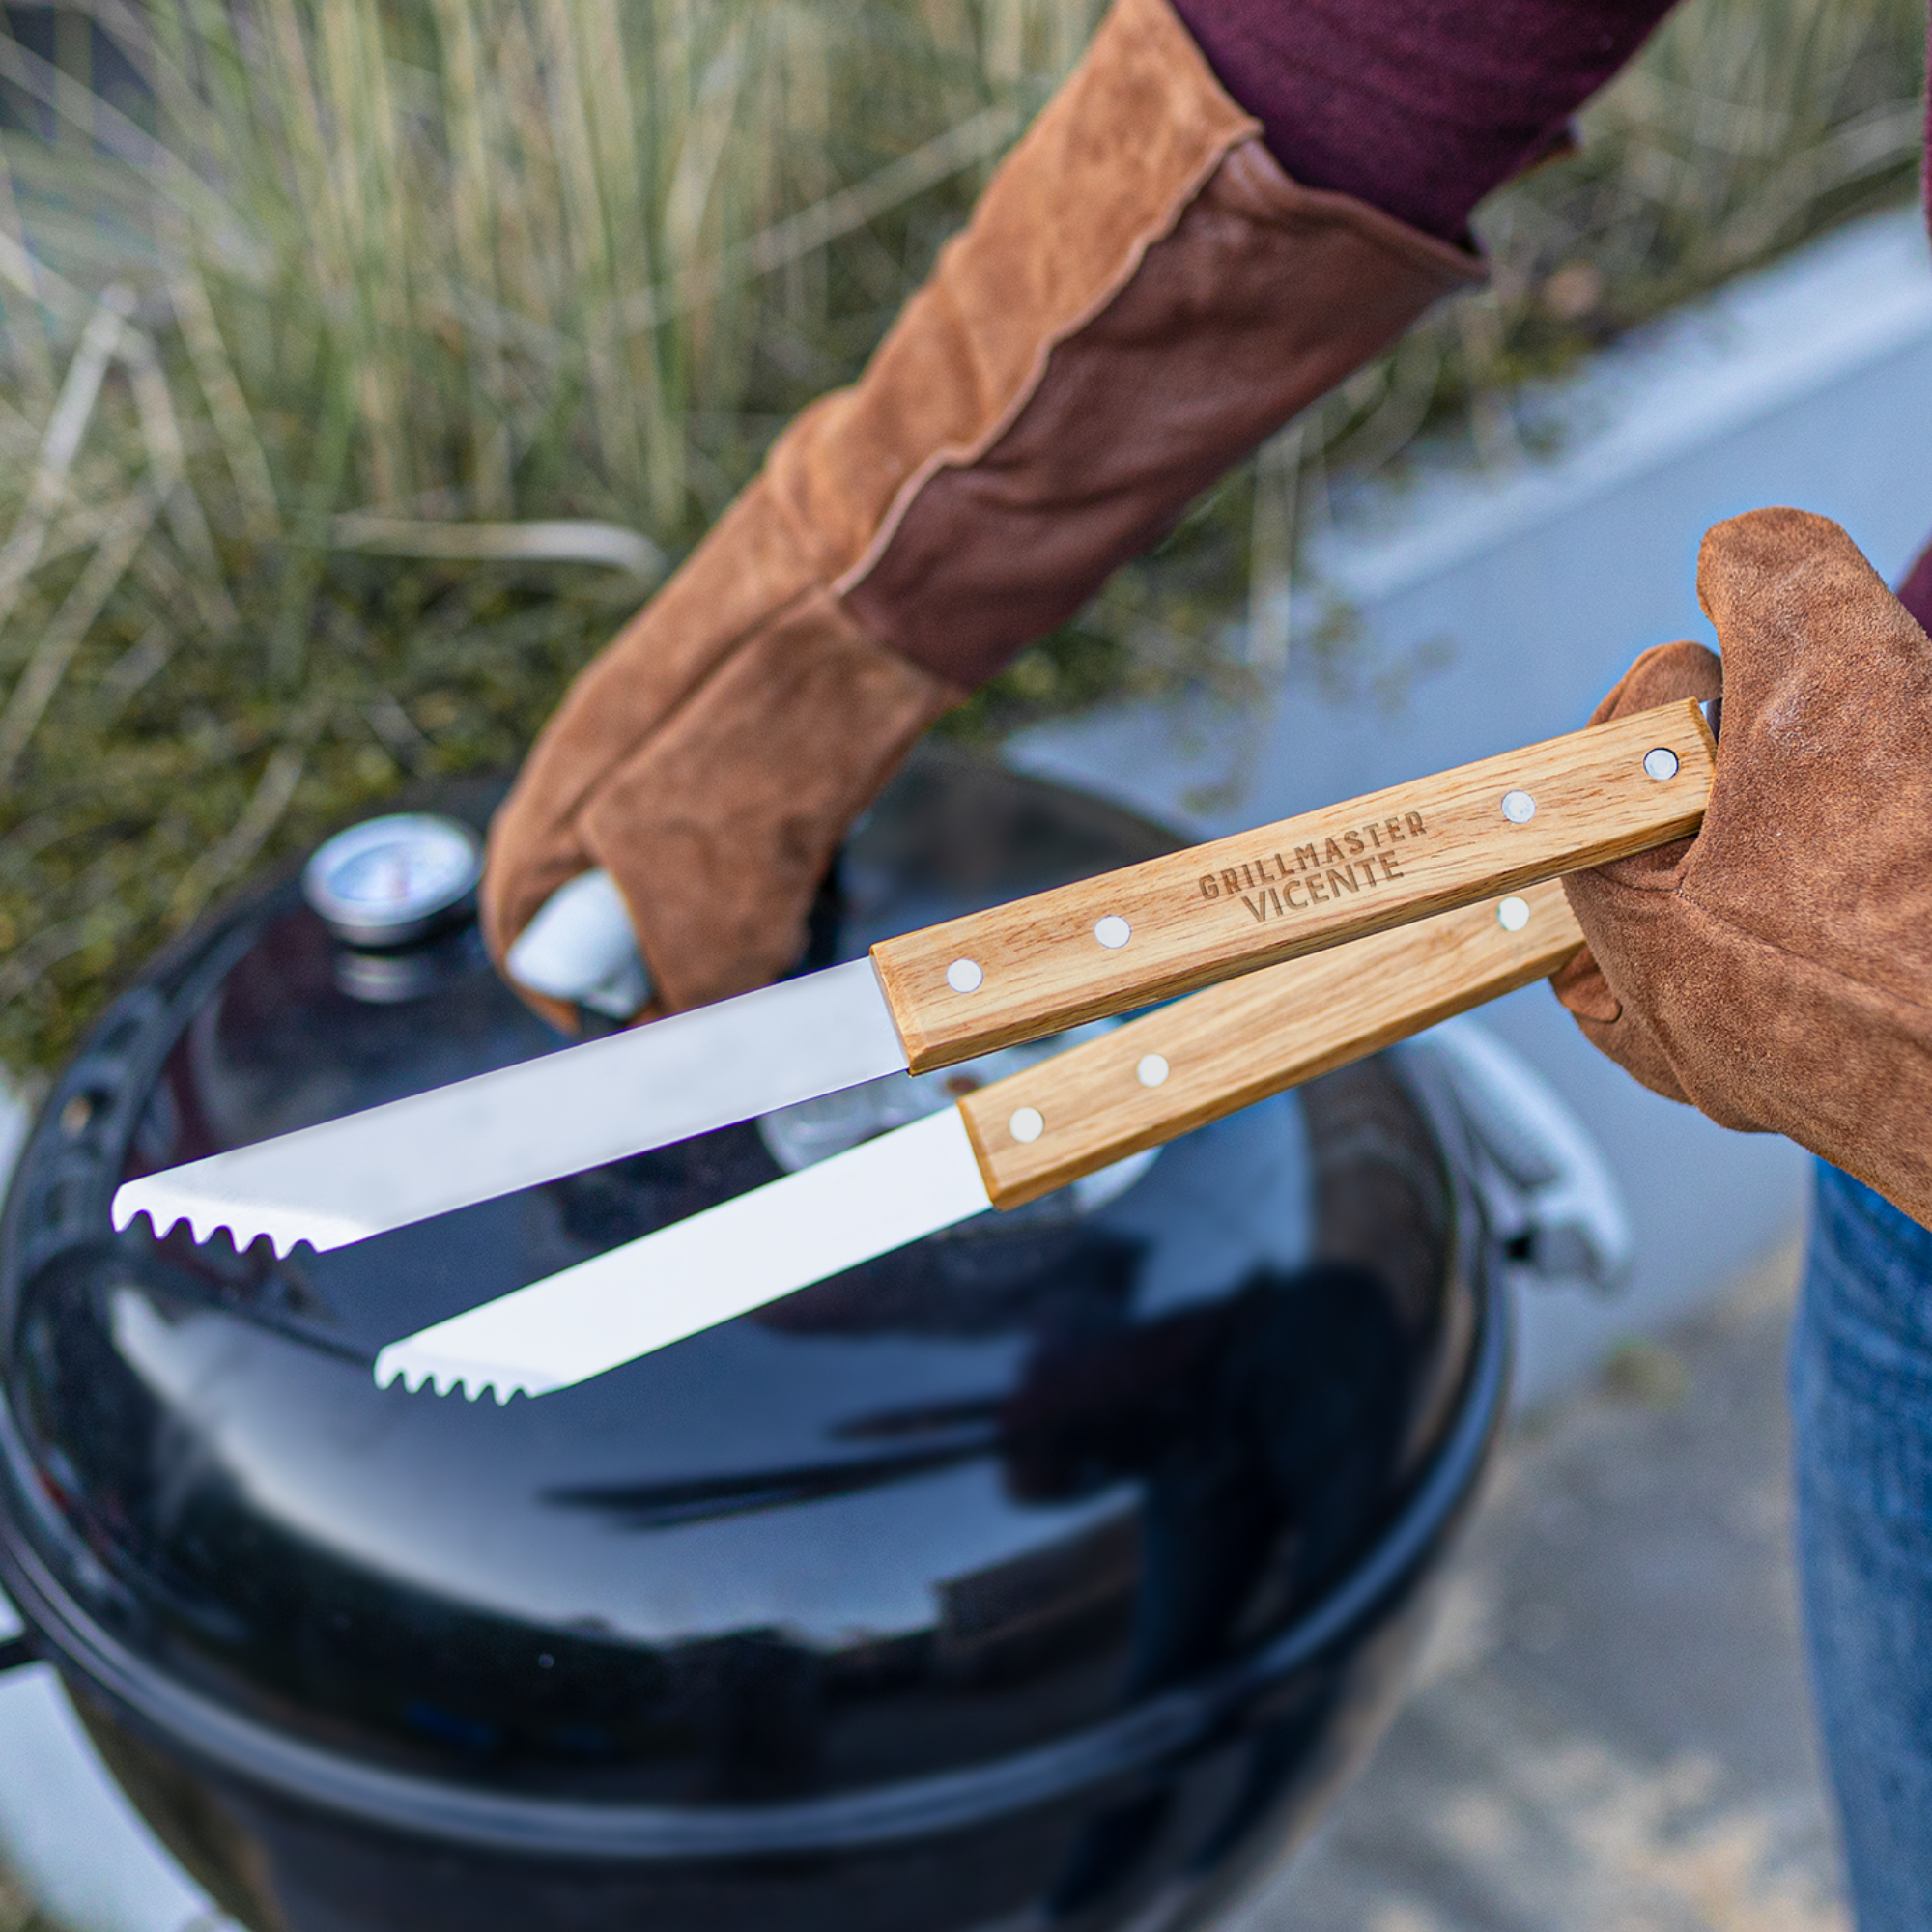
[1363, 855]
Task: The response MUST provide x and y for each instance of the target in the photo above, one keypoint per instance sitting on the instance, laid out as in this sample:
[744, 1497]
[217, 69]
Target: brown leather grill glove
[1141, 298]
[1777, 970]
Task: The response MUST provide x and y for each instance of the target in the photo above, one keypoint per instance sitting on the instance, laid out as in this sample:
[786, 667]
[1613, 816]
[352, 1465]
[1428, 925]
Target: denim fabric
[1861, 1411]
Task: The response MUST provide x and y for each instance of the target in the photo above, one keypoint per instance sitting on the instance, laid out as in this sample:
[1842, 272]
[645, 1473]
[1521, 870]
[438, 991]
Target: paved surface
[1611, 1732]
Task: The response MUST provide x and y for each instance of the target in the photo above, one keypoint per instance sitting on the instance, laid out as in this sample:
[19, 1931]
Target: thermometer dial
[392, 879]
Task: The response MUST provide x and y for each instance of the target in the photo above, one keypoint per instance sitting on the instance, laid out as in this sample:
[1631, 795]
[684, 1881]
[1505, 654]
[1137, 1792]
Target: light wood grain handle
[1224, 1049]
[1150, 932]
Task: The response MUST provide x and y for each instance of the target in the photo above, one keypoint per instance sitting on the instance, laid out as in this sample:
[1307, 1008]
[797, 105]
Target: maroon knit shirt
[1916, 592]
[1420, 108]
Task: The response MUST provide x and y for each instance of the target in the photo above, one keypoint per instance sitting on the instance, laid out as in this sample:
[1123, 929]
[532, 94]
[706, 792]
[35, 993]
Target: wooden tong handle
[1147, 932]
[1205, 1056]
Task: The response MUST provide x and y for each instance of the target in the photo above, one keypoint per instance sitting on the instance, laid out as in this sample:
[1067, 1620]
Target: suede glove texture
[1141, 297]
[1776, 971]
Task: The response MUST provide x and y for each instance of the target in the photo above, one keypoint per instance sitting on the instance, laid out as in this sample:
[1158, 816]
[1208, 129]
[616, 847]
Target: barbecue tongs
[1341, 931]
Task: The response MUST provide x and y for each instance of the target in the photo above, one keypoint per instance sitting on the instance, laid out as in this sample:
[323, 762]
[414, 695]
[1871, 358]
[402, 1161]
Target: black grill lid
[952, 1506]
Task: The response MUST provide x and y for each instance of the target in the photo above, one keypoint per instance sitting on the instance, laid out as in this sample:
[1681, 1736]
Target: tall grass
[362, 362]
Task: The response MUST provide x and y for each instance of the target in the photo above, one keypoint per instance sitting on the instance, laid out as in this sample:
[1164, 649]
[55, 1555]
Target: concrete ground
[1610, 1733]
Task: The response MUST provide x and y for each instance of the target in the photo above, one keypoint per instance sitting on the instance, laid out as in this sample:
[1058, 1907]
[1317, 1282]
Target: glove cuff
[1141, 297]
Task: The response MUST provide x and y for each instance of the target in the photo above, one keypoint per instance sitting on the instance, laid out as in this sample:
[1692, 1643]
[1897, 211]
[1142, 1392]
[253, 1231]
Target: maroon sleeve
[1419, 107]
[1916, 592]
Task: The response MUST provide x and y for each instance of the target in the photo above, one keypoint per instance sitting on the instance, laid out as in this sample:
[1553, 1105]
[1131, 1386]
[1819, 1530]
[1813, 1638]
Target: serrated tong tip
[167, 1206]
[417, 1370]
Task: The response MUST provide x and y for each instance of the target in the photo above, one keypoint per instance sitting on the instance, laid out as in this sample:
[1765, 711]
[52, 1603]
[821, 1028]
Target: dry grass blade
[34, 279]
[229, 415]
[266, 807]
[73, 411]
[167, 471]
[838, 215]
[70, 624]
[570, 540]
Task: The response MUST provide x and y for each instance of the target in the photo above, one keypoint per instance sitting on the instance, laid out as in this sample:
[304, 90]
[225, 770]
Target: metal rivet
[1113, 931]
[1660, 763]
[1152, 1070]
[964, 976]
[1518, 807]
[1513, 914]
[1028, 1123]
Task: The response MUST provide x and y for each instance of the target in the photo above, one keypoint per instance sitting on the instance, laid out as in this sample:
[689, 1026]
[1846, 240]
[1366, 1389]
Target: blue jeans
[1862, 1413]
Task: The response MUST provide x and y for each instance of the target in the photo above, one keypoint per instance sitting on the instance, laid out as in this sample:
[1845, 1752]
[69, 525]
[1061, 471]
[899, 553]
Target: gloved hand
[1141, 297]
[1776, 971]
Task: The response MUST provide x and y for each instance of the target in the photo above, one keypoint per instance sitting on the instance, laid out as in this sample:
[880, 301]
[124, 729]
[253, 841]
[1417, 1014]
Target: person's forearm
[1145, 293]
[1420, 107]
[1142, 296]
